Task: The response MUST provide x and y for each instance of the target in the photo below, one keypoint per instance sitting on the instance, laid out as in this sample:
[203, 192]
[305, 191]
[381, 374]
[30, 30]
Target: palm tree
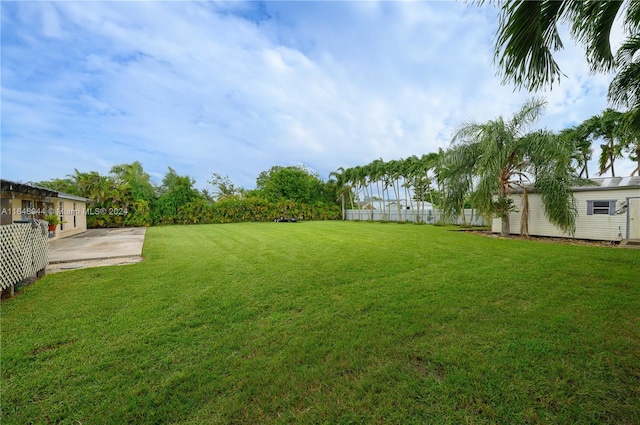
[495, 157]
[432, 162]
[528, 37]
[137, 178]
[93, 186]
[624, 90]
[389, 177]
[608, 126]
[409, 168]
[632, 143]
[359, 179]
[223, 187]
[578, 136]
[348, 181]
[342, 187]
[365, 174]
[455, 173]
[376, 174]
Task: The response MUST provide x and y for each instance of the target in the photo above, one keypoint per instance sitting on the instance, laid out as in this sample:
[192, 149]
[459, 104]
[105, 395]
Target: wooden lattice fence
[24, 251]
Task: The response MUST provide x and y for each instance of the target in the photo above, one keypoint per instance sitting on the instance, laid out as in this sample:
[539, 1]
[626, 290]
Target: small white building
[22, 202]
[608, 210]
[391, 205]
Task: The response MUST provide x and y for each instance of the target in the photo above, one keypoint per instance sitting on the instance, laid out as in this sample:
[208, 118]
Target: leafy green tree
[293, 183]
[65, 185]
[136, 191]
[137, 179]
[177, 191]
[495, 157]
[140, 215]
[104, 192]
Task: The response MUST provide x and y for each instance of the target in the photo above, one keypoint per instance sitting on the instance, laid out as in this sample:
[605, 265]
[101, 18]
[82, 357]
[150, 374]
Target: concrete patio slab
[98, 244]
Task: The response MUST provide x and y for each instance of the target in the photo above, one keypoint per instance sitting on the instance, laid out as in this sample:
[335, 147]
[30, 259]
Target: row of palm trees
[487, 162]
[383, 181]
[618, 131]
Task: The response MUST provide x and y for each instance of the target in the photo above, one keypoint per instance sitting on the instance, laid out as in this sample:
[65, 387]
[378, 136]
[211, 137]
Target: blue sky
[237, 87]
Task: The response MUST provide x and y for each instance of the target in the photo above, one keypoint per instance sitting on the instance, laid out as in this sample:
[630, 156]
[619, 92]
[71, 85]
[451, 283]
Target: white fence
[428, 216]
[24, 252]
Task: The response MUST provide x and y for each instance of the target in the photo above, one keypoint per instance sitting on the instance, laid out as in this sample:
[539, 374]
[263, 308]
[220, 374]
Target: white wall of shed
[593, 227]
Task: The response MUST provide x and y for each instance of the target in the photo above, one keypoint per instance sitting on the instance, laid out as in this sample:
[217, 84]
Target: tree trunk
[505, 224]
[612, 159]
[396, 189]
[524, 220]
[586, 169]
[380, 196]
[433, 207]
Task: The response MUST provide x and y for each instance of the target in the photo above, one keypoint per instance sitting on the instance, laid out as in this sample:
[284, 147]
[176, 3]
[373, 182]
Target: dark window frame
[601, 207]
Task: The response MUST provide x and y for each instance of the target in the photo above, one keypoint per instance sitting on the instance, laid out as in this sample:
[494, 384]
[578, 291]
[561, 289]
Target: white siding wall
[67, 214]
[595, 227]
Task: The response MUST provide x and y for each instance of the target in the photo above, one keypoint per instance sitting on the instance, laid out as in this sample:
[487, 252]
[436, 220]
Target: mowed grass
[330, 322]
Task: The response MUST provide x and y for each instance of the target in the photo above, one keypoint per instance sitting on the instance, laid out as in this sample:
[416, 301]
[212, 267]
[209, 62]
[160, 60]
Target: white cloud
[50, 21]
[237, 88]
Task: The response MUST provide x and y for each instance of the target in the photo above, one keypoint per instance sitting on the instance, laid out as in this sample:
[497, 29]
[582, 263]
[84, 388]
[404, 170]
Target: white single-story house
[21, 202]
[608, 210]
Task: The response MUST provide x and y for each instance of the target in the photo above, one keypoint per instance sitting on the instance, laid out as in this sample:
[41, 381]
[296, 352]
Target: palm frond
[632, 16]
[557, 197]
[592, 23]
[526, 39]
[624, 89]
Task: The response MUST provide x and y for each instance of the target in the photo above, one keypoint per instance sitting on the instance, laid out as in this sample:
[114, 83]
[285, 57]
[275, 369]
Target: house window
[601, 207]
[75, 213]
[27, 210]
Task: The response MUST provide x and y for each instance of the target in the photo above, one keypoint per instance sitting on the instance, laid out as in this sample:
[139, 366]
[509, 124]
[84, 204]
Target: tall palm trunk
[524, 221]
[396, 189]
[612, 157]
[504, 231]
[433, 206]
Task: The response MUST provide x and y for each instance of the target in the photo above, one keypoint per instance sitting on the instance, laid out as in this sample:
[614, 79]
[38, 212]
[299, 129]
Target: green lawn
[330, 322]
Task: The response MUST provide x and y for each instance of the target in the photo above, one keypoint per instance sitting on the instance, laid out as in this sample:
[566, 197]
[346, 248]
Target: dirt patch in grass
[567, 241]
